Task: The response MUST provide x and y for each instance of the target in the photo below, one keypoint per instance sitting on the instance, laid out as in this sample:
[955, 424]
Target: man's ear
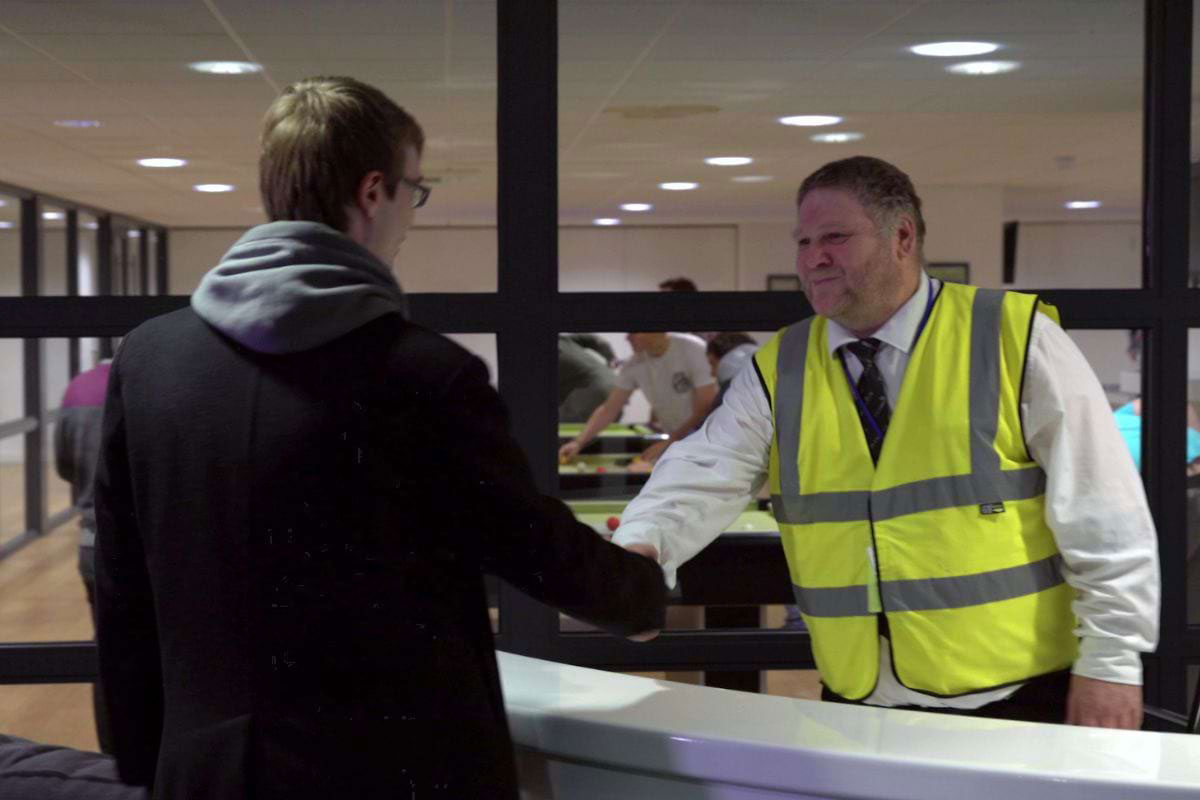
[905, 242]
[370, 193]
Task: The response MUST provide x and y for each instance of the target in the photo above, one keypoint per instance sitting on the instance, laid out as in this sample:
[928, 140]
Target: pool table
[610, 475]
[621, 438]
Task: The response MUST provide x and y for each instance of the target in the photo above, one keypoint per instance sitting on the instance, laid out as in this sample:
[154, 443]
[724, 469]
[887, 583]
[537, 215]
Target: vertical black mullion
[73, 360]
[161, 263]
[104, 270]
[527, 215]
[1167, 178]
[31, 286]
[144, 261]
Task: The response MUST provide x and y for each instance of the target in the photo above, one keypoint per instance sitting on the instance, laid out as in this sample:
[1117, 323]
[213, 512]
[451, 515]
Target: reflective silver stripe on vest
[985, 380]
[986, 483]
[933, 594]
[911, 498]
[789, 382]
[971, 590]
[842, 601]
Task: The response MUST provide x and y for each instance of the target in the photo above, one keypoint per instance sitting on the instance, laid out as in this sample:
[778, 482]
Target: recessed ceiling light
[133, 234]
[161, 163]
[753, 178]
[982, 67]
[53, 215]
[91, 226]
[214, 187]
[77, 123]
[729, 161]
[636, 206]
[225, 67]
[810, 120]
[606, 221]
[5, 224]
[678, 186]
[952, 49]
[1083, 204]
[836, 138]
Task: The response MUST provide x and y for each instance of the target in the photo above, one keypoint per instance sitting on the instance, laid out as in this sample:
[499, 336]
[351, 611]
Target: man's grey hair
[884, 191]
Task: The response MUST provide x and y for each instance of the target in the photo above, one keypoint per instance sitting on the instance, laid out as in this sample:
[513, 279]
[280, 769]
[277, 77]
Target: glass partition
[54, 251]
[709, 115]
[10, 245]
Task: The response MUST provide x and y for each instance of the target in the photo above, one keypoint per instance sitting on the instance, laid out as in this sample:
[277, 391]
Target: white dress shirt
[1095, 503]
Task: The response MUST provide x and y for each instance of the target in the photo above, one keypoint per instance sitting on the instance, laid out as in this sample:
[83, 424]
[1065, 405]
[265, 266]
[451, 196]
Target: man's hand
[568, 451]
[650, 552]
[651, 453]
[1104, 704]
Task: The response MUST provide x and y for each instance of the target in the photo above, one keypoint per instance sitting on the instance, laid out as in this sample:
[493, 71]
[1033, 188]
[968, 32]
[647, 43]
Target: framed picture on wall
[950, 271]
[783, 282]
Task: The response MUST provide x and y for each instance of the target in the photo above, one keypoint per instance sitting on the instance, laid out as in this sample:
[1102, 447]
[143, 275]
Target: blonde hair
[320, 137]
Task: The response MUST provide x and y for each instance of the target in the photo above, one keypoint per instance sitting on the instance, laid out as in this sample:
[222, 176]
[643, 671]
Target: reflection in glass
[54, 251]
[624, 397]
[45, 598]
[655, 95]
[12, 447]
[1193, 483]
[602, 466]
[12, 490]
[10, 246]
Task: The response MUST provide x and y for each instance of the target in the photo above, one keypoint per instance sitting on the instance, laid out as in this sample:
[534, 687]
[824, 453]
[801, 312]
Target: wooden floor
[42, 599]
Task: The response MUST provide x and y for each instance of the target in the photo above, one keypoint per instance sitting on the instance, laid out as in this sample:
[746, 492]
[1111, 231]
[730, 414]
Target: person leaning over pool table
[673, 373]
[963, 523]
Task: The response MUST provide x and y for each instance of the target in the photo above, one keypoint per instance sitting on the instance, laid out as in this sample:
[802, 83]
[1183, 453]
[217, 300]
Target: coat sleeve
[126, 632]
[531, 540]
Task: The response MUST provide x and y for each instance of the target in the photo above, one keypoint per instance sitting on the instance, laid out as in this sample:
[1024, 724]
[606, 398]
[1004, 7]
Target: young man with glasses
[298, 492]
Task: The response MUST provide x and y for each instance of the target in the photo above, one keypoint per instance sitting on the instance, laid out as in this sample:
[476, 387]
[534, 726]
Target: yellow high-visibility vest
[946, 536]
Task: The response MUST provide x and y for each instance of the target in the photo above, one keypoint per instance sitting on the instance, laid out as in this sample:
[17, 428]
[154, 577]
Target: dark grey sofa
[32, 771]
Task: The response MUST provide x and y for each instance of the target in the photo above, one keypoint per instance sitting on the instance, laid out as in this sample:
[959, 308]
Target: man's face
[647, 342]
[395, 214]
[848, 268]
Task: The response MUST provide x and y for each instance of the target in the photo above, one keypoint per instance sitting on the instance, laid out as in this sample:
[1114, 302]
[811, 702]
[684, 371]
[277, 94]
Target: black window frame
[528, 310]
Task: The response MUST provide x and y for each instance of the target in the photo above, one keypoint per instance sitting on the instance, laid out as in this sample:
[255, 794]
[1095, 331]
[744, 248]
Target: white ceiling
[739, 63]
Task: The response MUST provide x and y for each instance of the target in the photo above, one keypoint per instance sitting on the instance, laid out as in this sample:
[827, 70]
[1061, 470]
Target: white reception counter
[583, 733]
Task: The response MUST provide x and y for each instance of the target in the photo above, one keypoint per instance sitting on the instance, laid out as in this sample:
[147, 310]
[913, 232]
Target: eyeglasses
[421, 192]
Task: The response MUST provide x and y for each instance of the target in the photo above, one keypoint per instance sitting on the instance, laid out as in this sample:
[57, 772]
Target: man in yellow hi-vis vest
[964, 527]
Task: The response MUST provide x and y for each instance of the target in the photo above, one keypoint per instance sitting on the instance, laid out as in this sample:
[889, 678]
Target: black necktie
[873, 394]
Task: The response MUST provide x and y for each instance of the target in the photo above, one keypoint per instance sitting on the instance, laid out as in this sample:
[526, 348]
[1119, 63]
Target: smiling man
[964, 528]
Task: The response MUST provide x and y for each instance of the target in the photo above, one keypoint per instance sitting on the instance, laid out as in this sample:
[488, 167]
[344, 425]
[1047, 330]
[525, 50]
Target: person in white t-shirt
[671, 369]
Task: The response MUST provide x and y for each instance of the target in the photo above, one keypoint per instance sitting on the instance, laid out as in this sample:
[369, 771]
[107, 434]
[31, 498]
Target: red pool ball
[601, 469]
[613, 523]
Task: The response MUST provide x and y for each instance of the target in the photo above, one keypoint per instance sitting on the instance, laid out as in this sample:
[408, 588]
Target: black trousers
[1042, 699]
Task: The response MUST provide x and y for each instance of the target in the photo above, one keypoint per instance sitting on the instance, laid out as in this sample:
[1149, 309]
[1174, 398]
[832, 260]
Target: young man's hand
[650, 552]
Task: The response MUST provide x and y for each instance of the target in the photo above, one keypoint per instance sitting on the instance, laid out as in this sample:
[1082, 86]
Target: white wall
[963, 225]
[1079, 255]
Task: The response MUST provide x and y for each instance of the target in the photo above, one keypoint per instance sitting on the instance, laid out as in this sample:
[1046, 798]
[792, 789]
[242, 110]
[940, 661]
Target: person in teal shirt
[1129, 423]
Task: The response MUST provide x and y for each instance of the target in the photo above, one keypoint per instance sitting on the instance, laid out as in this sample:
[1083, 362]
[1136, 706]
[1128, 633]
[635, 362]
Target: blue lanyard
[862, 406]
